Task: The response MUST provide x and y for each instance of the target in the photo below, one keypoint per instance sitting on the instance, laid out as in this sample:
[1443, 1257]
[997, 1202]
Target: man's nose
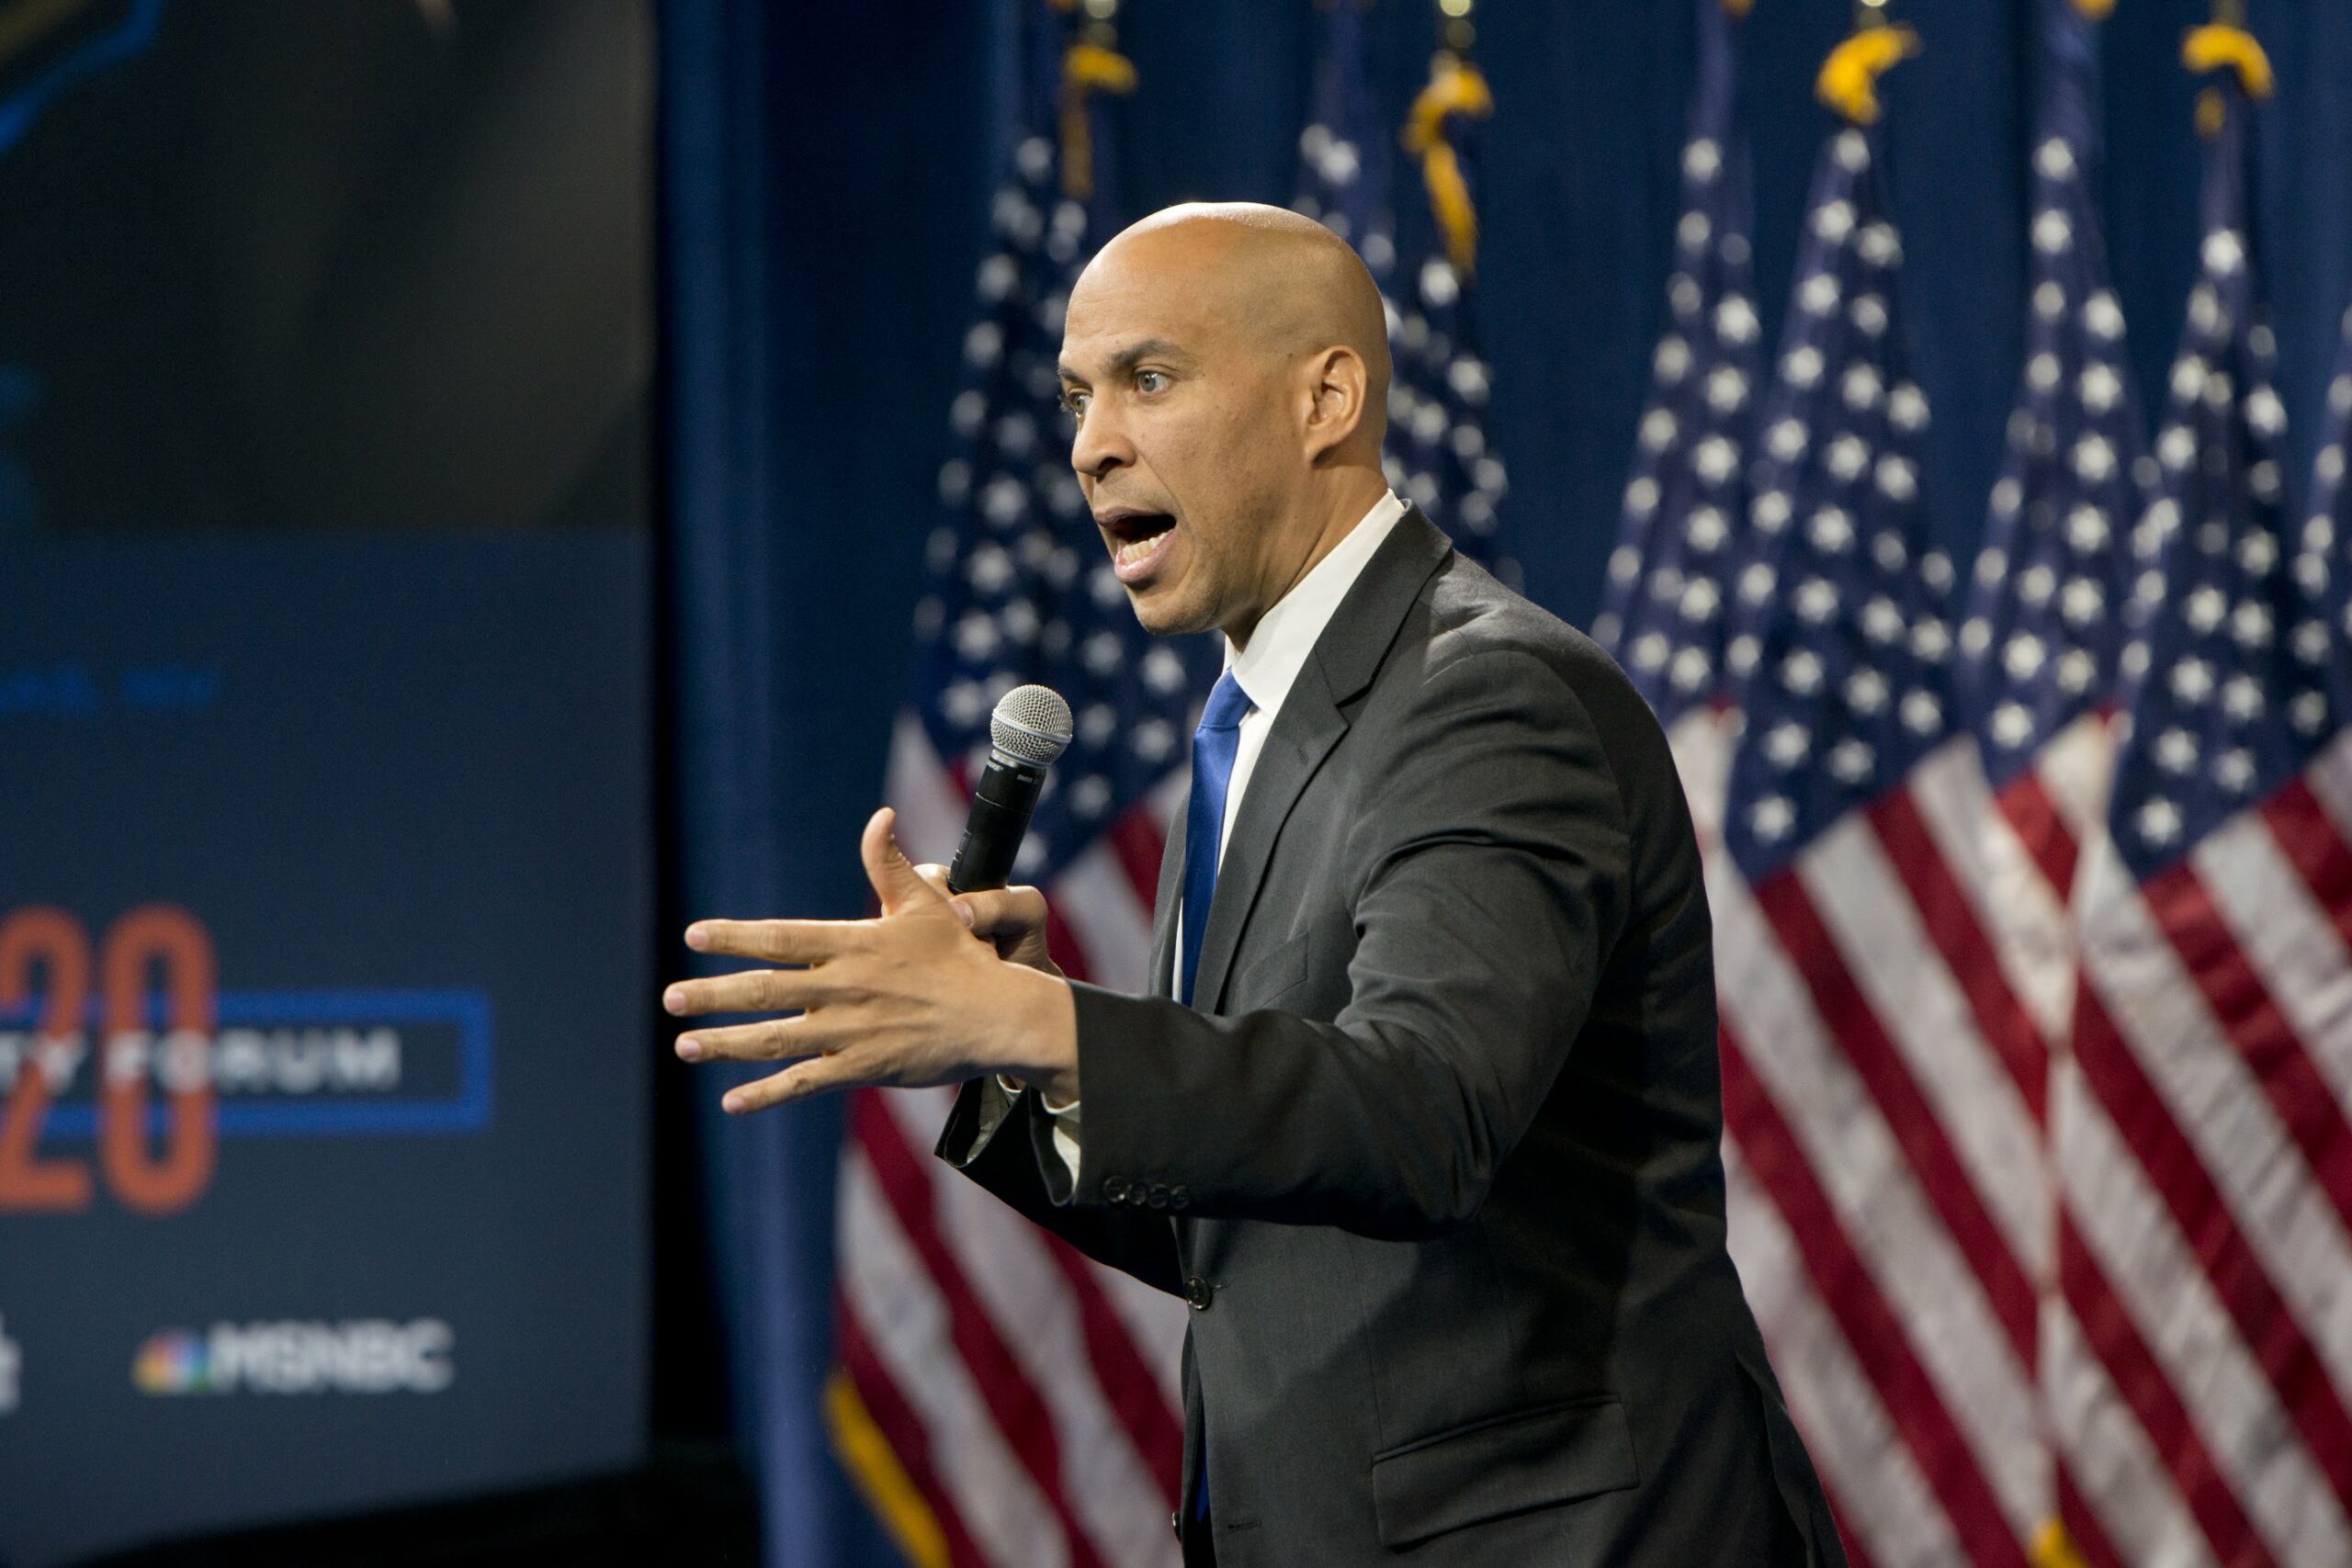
[1100, 445]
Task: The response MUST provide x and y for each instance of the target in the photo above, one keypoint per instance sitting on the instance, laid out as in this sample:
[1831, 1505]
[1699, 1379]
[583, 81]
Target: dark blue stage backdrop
[325, 766]
[827, 171]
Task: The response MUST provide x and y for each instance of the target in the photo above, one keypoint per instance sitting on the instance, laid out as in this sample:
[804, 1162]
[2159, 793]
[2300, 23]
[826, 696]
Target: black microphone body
[1002, 804]
[1028, 730]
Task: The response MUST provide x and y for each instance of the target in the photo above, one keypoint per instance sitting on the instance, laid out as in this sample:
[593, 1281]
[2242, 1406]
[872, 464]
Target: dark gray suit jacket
[1436, 1163]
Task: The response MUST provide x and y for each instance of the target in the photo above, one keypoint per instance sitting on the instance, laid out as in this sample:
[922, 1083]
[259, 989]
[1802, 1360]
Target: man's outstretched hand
[909, 999]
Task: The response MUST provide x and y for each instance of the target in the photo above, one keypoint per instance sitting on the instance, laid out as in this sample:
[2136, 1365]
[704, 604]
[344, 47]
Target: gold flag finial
[1455, 87]
[2221, 45]
[1849, 79]
[2224, 45]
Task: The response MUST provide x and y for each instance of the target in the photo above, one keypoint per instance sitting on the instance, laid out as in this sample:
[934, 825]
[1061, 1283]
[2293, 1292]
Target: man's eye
[1074, 404]
[1150, 380]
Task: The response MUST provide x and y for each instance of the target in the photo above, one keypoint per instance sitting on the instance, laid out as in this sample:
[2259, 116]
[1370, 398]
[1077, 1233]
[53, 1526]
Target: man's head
[1228, 366]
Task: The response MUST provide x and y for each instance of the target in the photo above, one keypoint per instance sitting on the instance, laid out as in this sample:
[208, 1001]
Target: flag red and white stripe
[1885, 1150]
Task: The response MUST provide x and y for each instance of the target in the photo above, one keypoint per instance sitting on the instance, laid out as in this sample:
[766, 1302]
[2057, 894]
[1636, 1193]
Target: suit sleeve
[1006, 1144]
[1491, 890]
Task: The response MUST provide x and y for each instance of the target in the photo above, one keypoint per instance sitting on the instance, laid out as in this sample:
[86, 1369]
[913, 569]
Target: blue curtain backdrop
[826, 174]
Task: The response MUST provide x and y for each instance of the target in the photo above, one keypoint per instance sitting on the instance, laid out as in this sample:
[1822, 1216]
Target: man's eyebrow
[1131, 356]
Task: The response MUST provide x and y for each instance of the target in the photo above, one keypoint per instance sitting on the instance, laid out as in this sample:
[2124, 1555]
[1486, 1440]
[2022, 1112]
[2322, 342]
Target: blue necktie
[1214, 745]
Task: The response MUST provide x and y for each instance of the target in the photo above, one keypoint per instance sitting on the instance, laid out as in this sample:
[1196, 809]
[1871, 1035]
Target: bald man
[1421, 1117]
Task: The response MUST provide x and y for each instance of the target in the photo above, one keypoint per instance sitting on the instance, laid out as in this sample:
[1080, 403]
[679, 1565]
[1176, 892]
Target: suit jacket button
[1198, 1293]
[1114, 1188]
[1176, 1523]
[1177, 1197]
[1158, 1196]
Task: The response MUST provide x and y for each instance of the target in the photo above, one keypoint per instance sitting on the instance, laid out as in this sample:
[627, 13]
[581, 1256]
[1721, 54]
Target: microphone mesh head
[1032, 724]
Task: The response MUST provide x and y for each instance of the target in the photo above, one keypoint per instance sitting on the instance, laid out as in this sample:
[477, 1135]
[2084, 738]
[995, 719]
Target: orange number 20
[144, 939]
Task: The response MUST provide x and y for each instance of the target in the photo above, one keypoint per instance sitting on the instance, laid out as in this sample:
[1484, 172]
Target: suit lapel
[1305, 732]
[1311, 721]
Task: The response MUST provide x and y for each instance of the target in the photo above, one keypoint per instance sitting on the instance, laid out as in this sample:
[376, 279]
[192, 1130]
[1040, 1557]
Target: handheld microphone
[1030, 728]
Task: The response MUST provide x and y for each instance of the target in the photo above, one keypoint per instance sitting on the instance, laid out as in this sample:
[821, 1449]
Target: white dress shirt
[1265, 670]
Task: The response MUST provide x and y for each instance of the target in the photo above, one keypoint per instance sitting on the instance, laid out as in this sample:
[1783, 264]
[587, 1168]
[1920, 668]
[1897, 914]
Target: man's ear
[1336, 386]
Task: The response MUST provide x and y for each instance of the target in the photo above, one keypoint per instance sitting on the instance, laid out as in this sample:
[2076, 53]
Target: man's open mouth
[1139, 539]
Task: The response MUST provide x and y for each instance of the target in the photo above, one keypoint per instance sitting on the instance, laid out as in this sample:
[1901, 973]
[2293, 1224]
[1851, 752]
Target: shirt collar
[1287, 633]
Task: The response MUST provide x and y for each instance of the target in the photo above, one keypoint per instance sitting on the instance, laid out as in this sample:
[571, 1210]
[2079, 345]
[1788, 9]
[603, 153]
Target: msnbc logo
[371, 1356]
[173, 1362]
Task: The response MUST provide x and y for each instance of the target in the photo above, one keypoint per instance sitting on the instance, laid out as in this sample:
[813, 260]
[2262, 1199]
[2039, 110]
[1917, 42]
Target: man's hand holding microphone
[950, 982]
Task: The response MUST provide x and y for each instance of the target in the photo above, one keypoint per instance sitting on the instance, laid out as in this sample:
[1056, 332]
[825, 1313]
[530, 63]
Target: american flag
[2042, 1210]
[1343, 161]
[2199, 1135]
[1686, 506]
[1438, 450]
[1888, 1208]
[1002, 1400]
[2039, 652]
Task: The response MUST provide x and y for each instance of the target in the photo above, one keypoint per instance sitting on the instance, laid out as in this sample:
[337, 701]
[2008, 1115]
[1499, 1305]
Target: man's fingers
[779, 942]
[818, 1076]
[772, 1041]
[895, 880]
[934, 875]
[752, 990]
[1003, 911]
